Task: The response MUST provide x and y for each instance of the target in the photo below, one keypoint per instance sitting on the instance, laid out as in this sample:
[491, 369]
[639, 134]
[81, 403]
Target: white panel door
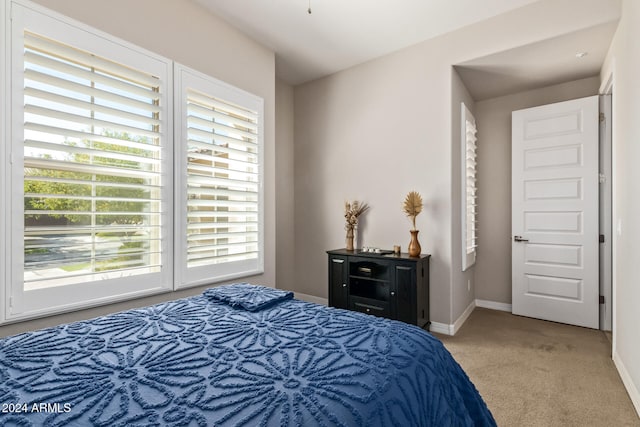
[555, 212]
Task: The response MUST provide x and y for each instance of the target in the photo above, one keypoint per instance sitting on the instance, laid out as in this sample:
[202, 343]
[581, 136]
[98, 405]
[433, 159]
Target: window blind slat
[223, 214]
[69, 53]
[111, 155]
[202, 160]
[99, 184]
[52, 212]
[198, 203]
[91, 198]
[88, 230]
[63, 166]
[220, 259]
[218, 128]
[90, 137]
[225, 183]
[68, 101]
[89, 121]
[194, 109]
[219, 225]
[230, 110]
[214, 251]
[222, 192]
[240, 158]
[217, 139]
[69, 87]
[222, 235]
[35, 61]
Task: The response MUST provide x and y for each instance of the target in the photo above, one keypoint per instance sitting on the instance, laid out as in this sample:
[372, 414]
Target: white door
[555, 212]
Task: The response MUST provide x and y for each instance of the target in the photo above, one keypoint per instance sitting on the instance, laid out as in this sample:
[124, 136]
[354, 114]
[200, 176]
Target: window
[469, 197]
[104, 202]
[219, 175]
[90, 166]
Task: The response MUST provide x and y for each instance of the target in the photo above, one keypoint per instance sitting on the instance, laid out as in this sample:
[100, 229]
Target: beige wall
[368, 134]
[462, 288]
[285, 208]
[184, 32]
[493, 118]
[624, 62]
[383, 128]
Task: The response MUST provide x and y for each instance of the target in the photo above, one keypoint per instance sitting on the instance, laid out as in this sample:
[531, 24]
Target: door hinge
[602, 238]
[602, 178]
[601, 299]
[602, 117]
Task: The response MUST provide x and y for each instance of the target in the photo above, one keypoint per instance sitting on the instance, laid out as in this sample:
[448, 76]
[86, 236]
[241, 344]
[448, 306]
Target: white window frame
[185, 79]
[5, 134]
[468, 206]
[20, 15]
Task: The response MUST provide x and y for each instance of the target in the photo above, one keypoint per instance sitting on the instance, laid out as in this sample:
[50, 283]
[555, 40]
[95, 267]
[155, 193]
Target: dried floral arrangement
[351, 213]
[412, 206]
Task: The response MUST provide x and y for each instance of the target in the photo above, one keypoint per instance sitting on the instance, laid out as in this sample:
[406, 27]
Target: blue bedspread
[199, 362]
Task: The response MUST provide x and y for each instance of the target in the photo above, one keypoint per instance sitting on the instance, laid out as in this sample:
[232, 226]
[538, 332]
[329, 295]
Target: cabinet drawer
[369, 306]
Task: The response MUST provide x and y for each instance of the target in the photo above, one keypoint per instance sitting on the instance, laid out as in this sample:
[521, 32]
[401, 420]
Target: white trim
[443, 328]
[463, 317]
[5, 121]
[311, 298]
[614, 213]
[605, 208]
[606, 85]
[632, 389]
[493, 305]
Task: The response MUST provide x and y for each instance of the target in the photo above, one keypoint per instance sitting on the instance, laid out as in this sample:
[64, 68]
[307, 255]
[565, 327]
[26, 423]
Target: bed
[236, 355]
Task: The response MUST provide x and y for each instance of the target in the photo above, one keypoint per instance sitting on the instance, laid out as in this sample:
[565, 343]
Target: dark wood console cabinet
[392, 286]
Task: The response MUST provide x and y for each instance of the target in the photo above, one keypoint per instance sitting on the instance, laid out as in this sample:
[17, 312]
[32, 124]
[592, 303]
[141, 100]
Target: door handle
[519, 239]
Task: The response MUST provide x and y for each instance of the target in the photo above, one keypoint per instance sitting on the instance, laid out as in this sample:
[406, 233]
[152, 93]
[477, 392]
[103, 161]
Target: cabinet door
[338, 287]
[406, 292]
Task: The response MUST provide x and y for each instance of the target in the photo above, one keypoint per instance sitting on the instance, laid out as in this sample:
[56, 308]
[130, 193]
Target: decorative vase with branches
[412, 207]
[351, 213]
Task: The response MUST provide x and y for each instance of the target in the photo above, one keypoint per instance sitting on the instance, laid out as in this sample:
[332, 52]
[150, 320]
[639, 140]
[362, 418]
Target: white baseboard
[632, 389]
[443, 328]
[501, 306]
[463, 317]
[311, 298]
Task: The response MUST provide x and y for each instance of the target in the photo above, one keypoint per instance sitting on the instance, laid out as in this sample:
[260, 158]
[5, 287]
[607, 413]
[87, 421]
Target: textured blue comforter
[199, 361]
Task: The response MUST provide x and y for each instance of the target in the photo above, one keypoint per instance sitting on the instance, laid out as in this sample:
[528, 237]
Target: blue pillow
[247, 296]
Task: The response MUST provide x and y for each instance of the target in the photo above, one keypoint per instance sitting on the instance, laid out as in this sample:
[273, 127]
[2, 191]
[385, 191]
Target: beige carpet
[537, 373]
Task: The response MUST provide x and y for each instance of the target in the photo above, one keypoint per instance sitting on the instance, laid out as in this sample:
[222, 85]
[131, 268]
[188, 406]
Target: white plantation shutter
[221, 162]
[94, 162]
[469, 196]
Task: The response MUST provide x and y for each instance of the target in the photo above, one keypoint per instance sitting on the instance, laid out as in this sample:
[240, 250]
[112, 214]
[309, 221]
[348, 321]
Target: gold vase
[349, 241]
[414, 245]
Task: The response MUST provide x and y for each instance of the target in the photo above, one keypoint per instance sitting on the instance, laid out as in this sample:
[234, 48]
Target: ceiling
[540, 64]
[339, 34]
